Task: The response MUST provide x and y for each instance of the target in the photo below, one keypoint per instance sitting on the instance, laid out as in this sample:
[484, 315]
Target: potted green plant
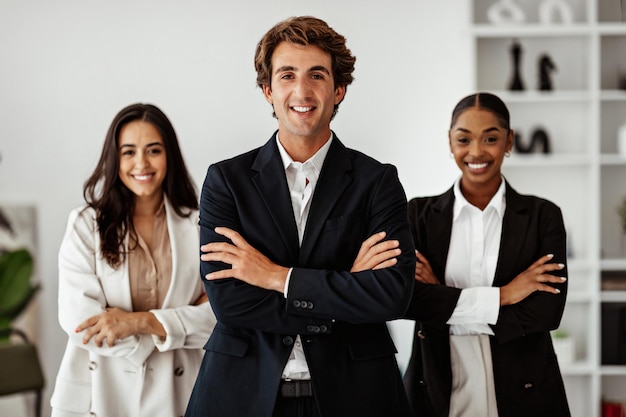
[563, 346]
[16, 289]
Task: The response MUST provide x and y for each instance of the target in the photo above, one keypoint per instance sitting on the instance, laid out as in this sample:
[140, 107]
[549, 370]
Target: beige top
[150, 267]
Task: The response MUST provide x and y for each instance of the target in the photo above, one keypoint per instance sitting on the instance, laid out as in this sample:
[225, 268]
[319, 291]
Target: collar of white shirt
[315, 162]
[497, 202]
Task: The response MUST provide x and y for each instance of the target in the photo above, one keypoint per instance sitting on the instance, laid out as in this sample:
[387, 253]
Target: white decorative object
[505, 11]
[621, 141]
[563, 347]
[549, 9]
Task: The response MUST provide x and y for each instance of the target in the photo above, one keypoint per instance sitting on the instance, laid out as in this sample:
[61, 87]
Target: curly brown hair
[305, 30]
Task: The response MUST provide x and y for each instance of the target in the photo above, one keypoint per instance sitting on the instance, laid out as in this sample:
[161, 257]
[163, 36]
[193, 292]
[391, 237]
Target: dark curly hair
[305, 30]
[113, 202]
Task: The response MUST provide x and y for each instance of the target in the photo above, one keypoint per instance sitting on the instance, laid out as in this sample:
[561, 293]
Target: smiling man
[300, 332]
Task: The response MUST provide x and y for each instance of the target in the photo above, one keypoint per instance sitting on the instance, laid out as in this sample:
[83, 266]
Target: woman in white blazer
[130, 295]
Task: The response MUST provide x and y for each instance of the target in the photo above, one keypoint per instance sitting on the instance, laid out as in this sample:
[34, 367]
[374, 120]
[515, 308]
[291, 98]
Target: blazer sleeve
[81, 294]
[188, 326]
[431, 303]
[367, 296]
[541, 311]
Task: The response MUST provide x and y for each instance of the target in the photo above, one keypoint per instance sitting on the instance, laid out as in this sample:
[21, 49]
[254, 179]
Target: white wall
[66, 68]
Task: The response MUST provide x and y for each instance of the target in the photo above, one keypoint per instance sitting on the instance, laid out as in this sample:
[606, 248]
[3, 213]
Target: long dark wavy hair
[113, 202]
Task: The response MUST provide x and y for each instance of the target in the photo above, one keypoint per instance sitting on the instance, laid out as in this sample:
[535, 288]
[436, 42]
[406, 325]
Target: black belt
[296, 388]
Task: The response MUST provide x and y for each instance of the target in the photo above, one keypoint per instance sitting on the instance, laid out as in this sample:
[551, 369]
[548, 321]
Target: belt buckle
[296, 388]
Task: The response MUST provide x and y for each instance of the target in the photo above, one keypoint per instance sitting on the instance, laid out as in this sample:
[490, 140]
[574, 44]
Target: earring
[507, 153]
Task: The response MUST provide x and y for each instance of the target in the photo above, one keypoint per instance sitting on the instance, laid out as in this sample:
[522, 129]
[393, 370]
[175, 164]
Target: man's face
[303, 92]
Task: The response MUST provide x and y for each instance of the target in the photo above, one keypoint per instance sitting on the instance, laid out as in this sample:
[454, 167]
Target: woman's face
[478, 143]
[143, 163]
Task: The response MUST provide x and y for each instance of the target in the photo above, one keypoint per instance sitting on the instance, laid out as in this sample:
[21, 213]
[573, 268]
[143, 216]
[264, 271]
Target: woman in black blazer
[490, 284]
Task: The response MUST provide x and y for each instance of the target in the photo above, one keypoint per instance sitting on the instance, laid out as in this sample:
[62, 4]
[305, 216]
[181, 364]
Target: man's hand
[375, 254]
[531, 280]
[247, 263]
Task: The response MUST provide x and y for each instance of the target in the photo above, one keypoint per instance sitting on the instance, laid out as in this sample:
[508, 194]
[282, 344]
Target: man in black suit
[299, 333]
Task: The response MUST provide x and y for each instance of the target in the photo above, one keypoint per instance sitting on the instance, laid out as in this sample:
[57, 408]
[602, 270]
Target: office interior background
[69, 66]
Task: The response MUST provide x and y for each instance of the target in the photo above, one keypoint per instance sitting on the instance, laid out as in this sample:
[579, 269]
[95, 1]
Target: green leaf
[16, 290]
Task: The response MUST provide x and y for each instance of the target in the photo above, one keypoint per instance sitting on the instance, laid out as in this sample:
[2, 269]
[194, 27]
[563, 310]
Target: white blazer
[140, 375]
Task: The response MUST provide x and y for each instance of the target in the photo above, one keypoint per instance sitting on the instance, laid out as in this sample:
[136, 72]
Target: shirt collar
[496, 203]
[316, 161]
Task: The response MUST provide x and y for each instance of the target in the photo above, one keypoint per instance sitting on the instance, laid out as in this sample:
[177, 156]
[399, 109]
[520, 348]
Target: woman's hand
[423, 271]
[531, 280]
[115, 324]
[376, 254]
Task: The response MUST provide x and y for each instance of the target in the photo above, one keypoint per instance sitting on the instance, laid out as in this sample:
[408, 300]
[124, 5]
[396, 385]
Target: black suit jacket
[339, 315]
[526, 373]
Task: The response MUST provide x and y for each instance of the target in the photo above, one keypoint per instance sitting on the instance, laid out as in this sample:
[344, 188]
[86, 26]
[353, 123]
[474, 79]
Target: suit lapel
[271, 183]
[515, 225]
[334, 179]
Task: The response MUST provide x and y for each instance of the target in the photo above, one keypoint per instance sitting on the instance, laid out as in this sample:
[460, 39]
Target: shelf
[618, 370]
[612, 159]
[532, 30]
[549, 160]
[584, 174]
[613, 296]
[610, 29]
[613, 95]
[614, 264]
[536, 96]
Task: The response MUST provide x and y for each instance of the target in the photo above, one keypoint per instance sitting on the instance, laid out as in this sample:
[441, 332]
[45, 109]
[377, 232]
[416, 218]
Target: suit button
[528, 385]
[323, 328]
[179, 371]
[422, 383]
[309, 305]
[296, 303]
[92, 366]
[287, 340]
[421, 334]
[313, 329]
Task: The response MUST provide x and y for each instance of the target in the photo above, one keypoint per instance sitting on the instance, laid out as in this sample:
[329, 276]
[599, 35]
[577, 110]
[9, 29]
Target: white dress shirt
[301, 179]
[472, 261]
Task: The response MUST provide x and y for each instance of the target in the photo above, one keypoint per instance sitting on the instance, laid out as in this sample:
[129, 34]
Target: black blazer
[340, 316]
[527, 377]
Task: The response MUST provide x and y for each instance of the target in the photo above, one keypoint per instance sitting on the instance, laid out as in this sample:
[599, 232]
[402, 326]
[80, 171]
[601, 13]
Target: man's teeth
[477, 166]
[302, 109]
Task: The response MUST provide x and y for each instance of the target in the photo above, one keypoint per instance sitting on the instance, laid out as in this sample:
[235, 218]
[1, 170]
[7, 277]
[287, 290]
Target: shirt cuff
[289, 278]
[477, 305]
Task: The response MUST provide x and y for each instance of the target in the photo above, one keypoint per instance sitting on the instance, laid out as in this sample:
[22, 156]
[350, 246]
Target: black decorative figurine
[538, 138]
[546, 66]
[516, 53]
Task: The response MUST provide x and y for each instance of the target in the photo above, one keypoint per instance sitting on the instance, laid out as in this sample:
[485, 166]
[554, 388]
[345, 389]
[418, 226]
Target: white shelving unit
[583, 173]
